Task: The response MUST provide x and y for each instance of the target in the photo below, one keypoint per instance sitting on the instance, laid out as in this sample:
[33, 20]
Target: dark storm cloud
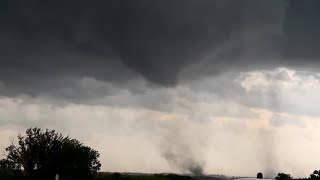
[302, 30]
[118, 40]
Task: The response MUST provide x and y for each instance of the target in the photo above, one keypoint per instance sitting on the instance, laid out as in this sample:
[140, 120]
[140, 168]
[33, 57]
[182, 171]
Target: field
[124, 176]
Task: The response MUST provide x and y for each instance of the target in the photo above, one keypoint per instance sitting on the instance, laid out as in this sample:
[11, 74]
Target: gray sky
[170, 85]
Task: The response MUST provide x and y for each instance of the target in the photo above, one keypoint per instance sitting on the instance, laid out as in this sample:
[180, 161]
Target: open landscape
[159, 89]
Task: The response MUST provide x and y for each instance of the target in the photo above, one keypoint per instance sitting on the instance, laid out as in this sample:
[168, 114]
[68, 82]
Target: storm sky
[168, 85]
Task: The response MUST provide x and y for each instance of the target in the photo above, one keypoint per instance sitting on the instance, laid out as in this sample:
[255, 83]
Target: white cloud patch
[283, 90]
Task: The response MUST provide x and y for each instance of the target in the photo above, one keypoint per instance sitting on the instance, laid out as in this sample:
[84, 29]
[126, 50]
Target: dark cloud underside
[117, 40]
[302, 29]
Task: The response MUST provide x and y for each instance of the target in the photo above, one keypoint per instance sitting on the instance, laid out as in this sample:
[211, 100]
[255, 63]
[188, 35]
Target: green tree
[41, 155]
[259, 175]
[283, 176]
[315, 175]
[8, 171]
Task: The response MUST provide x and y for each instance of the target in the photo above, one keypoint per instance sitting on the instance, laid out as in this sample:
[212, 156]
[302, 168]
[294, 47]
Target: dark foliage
[41, 155]
[283, 176]
[315, 175]
[6, 170]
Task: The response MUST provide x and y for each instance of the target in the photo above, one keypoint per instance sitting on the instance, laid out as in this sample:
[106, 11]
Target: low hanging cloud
[163, 41]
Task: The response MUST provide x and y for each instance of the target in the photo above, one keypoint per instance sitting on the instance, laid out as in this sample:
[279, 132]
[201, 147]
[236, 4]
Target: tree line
[313, 176]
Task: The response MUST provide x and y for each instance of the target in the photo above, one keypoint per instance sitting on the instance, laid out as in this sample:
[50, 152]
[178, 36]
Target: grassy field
[117, 176]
